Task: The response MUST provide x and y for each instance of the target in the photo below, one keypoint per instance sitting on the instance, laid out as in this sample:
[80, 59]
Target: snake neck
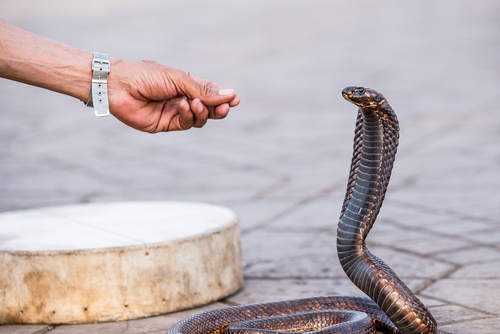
[371, 168]
[375, 146]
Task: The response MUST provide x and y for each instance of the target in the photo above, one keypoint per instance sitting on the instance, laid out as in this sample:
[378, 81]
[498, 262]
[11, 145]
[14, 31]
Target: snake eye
[361, 90]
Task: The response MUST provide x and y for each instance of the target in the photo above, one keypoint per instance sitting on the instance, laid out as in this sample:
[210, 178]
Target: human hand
[154, 98]
[144, 94]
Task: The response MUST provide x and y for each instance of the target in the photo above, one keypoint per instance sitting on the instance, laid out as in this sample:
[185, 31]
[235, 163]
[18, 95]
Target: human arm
[144, 94]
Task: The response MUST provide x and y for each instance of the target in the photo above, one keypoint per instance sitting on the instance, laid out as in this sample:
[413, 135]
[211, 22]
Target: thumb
[209, 93]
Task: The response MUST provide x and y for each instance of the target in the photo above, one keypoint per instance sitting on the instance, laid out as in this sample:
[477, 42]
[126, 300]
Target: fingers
[234, 102]
[209, 93]
[200, 112]
[185, 114]
[220, 111]
[186, 118]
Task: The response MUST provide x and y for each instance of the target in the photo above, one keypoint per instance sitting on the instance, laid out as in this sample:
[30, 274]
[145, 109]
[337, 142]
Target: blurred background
[280, 160]
[437, 63]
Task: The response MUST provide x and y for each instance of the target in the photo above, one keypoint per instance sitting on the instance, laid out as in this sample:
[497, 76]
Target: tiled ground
[281, 158]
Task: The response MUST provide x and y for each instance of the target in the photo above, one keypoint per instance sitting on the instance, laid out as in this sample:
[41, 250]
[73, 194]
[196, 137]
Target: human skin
[143, 94]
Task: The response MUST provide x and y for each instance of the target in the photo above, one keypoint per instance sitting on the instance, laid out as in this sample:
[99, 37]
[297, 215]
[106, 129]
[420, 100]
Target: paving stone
[485, 238]
[411, 213]
[312, 215]
[423, 243]
[323, 265]
[388, 234]
[431, 302]
[309, 173]
[253, 213]
[263, 290]
[444, 166]
[487, 270]
[277, 244]
[24, 329]
[476, 200]
[460, 227]
[299, 267]
[483, 326]
[471, 255]
[480, 294]
[411, 266]
[140, 326]
[449, 314]
[41, 178]
[469, 172]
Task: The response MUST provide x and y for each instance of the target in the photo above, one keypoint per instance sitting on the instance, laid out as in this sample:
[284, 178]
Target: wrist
[75, 79]
[98, 98]
[82, 87]
[118, 82]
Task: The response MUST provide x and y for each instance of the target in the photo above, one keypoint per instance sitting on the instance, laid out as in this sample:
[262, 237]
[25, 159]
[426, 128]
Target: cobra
[393, 308]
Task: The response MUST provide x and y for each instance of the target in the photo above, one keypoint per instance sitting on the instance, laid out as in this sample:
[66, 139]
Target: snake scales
[393, 308]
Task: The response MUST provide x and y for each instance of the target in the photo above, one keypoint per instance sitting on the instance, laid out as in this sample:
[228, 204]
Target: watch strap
[98, 98]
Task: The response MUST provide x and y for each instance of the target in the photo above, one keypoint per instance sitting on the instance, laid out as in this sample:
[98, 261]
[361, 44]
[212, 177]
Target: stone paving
[280, 159]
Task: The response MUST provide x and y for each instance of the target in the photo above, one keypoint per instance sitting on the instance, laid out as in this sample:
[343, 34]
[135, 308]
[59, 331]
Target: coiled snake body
[393, 308]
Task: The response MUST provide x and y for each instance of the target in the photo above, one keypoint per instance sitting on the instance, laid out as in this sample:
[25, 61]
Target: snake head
[363, 97]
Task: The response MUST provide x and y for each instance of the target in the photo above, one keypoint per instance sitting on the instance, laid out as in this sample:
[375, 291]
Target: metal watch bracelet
[98, 98]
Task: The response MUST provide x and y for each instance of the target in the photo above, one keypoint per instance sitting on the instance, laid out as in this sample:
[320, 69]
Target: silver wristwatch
[98, 98]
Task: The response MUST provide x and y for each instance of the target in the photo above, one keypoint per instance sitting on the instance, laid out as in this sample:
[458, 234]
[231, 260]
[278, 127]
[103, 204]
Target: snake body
[393, 308]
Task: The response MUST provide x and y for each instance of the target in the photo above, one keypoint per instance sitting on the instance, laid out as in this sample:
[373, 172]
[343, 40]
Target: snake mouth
[354, 94]
[350, 98]
[347, 96]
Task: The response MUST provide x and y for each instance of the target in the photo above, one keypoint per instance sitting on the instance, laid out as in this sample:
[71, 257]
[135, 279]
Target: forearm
[43, 62]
